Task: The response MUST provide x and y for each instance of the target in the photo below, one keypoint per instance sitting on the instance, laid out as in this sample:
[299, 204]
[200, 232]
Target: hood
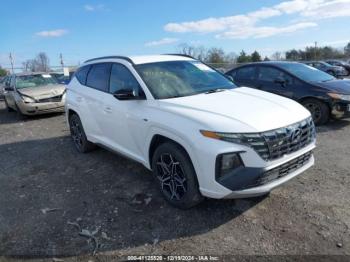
[337, 86]
[238, 110]
[43, 92]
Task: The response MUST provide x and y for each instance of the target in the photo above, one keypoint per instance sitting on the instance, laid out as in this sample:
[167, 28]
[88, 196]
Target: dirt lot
[47, 189]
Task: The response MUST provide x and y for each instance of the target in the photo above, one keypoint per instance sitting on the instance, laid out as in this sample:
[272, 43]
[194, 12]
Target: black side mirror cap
[8, 88]
[127, 94]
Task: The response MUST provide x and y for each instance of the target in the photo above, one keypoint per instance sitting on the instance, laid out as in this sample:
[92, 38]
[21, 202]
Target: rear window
[81, 74]
[98, 76]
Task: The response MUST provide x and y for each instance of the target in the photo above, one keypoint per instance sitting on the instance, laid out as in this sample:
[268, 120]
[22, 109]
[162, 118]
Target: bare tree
[198, 52]
[43, 62]
[40, 63]
[277, 56]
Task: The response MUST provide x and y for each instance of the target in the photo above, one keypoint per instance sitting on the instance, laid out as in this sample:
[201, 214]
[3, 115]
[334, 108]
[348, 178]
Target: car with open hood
[200, 134]
[322, 94]
[34, 93]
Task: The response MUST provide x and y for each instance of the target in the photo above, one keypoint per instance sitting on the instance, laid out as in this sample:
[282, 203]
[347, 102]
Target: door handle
[108, 109]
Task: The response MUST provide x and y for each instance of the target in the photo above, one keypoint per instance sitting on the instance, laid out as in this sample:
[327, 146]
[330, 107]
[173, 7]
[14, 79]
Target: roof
[145, 58]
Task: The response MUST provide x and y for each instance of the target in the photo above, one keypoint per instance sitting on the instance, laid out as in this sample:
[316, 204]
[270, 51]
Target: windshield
[307, 73]
[35, 81]
[181, 78]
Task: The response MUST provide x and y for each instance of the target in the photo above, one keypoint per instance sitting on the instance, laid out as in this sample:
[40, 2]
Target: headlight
[28, 99]
[339, 96]
[252, 138]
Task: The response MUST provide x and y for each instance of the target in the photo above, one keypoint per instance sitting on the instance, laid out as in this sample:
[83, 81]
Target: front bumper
[40, 108]
[280, 175]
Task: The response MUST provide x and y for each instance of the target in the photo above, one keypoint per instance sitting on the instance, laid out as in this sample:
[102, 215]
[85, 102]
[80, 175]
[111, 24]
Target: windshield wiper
[214, 90]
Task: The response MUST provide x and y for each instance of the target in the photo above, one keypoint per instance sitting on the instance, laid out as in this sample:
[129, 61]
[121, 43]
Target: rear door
[93, 97]
[245, 76]
[274, 80]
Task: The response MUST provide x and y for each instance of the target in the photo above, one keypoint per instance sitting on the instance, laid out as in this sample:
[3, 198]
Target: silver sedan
[34, 93]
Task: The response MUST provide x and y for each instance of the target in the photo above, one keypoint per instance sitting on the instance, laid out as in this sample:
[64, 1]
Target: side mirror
[230, 78]
[8, 88]
[127, 94]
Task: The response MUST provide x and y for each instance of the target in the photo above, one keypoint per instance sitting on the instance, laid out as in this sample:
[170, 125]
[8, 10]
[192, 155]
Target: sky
[83, 29]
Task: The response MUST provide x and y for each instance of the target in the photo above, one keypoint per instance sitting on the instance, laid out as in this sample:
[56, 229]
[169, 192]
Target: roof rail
[110, 57]
[184, 55]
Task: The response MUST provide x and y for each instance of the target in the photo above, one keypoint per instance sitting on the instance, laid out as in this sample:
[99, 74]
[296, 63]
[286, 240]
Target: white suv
[200, 134]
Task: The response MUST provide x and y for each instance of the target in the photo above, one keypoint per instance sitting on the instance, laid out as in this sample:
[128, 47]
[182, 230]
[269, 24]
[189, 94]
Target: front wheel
[78, 135]
[320, 111]
[176, 176]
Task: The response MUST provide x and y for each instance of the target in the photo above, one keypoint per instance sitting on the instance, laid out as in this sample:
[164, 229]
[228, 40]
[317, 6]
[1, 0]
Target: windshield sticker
[46, 76]
[203, 67]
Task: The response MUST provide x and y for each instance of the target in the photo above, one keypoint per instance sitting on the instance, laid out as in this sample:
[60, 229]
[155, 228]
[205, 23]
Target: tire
[320, 111]
[78, 135]
[177, 179]
[9, 109]
[20, 115]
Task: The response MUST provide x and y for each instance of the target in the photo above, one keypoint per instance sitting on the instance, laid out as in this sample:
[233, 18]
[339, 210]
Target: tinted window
[270, 74]
[246, 73]
[122, 78]
[81, 74]
[98, 76]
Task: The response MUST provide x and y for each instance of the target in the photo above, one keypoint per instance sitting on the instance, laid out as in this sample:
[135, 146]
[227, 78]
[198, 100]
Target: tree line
[218, 57]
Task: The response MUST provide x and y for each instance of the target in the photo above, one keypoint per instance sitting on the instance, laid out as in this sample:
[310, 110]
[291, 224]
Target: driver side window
[122, 79]
[270, 74]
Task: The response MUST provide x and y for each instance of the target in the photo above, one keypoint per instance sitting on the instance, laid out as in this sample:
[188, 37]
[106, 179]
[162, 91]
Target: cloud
[163, 41]
[92, 8]
[247, 25]
[264, 31]
[52, 33]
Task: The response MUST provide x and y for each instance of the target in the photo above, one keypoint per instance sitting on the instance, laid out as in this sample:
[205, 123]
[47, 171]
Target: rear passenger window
[246, 73]
[98, 76]
[122, 78]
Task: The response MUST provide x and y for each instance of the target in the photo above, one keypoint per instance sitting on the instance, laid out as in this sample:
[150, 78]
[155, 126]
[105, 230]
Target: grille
[282, 170]
[51, 99]
[274, 144]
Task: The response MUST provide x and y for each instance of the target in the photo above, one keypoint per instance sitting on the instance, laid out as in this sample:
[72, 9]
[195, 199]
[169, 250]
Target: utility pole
[315, 50]
[61, 61]
[11, 61]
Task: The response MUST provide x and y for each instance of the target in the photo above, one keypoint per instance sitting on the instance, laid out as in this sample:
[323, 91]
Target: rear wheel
[78, 135]
[176, 176]
[320, 111]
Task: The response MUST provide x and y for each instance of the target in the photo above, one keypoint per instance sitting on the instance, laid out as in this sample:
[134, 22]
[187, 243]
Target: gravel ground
[48, 191]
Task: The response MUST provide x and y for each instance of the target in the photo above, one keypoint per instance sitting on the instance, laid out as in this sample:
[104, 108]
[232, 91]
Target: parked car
[61, 78]
[336, 71]
[2, 86]
[34, 93]
[343, 64]
[322, 94]
[200, 134]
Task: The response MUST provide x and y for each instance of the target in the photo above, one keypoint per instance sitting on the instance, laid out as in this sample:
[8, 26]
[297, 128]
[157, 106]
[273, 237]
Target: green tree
[243, 58]
[256, 57]
[3, 72]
